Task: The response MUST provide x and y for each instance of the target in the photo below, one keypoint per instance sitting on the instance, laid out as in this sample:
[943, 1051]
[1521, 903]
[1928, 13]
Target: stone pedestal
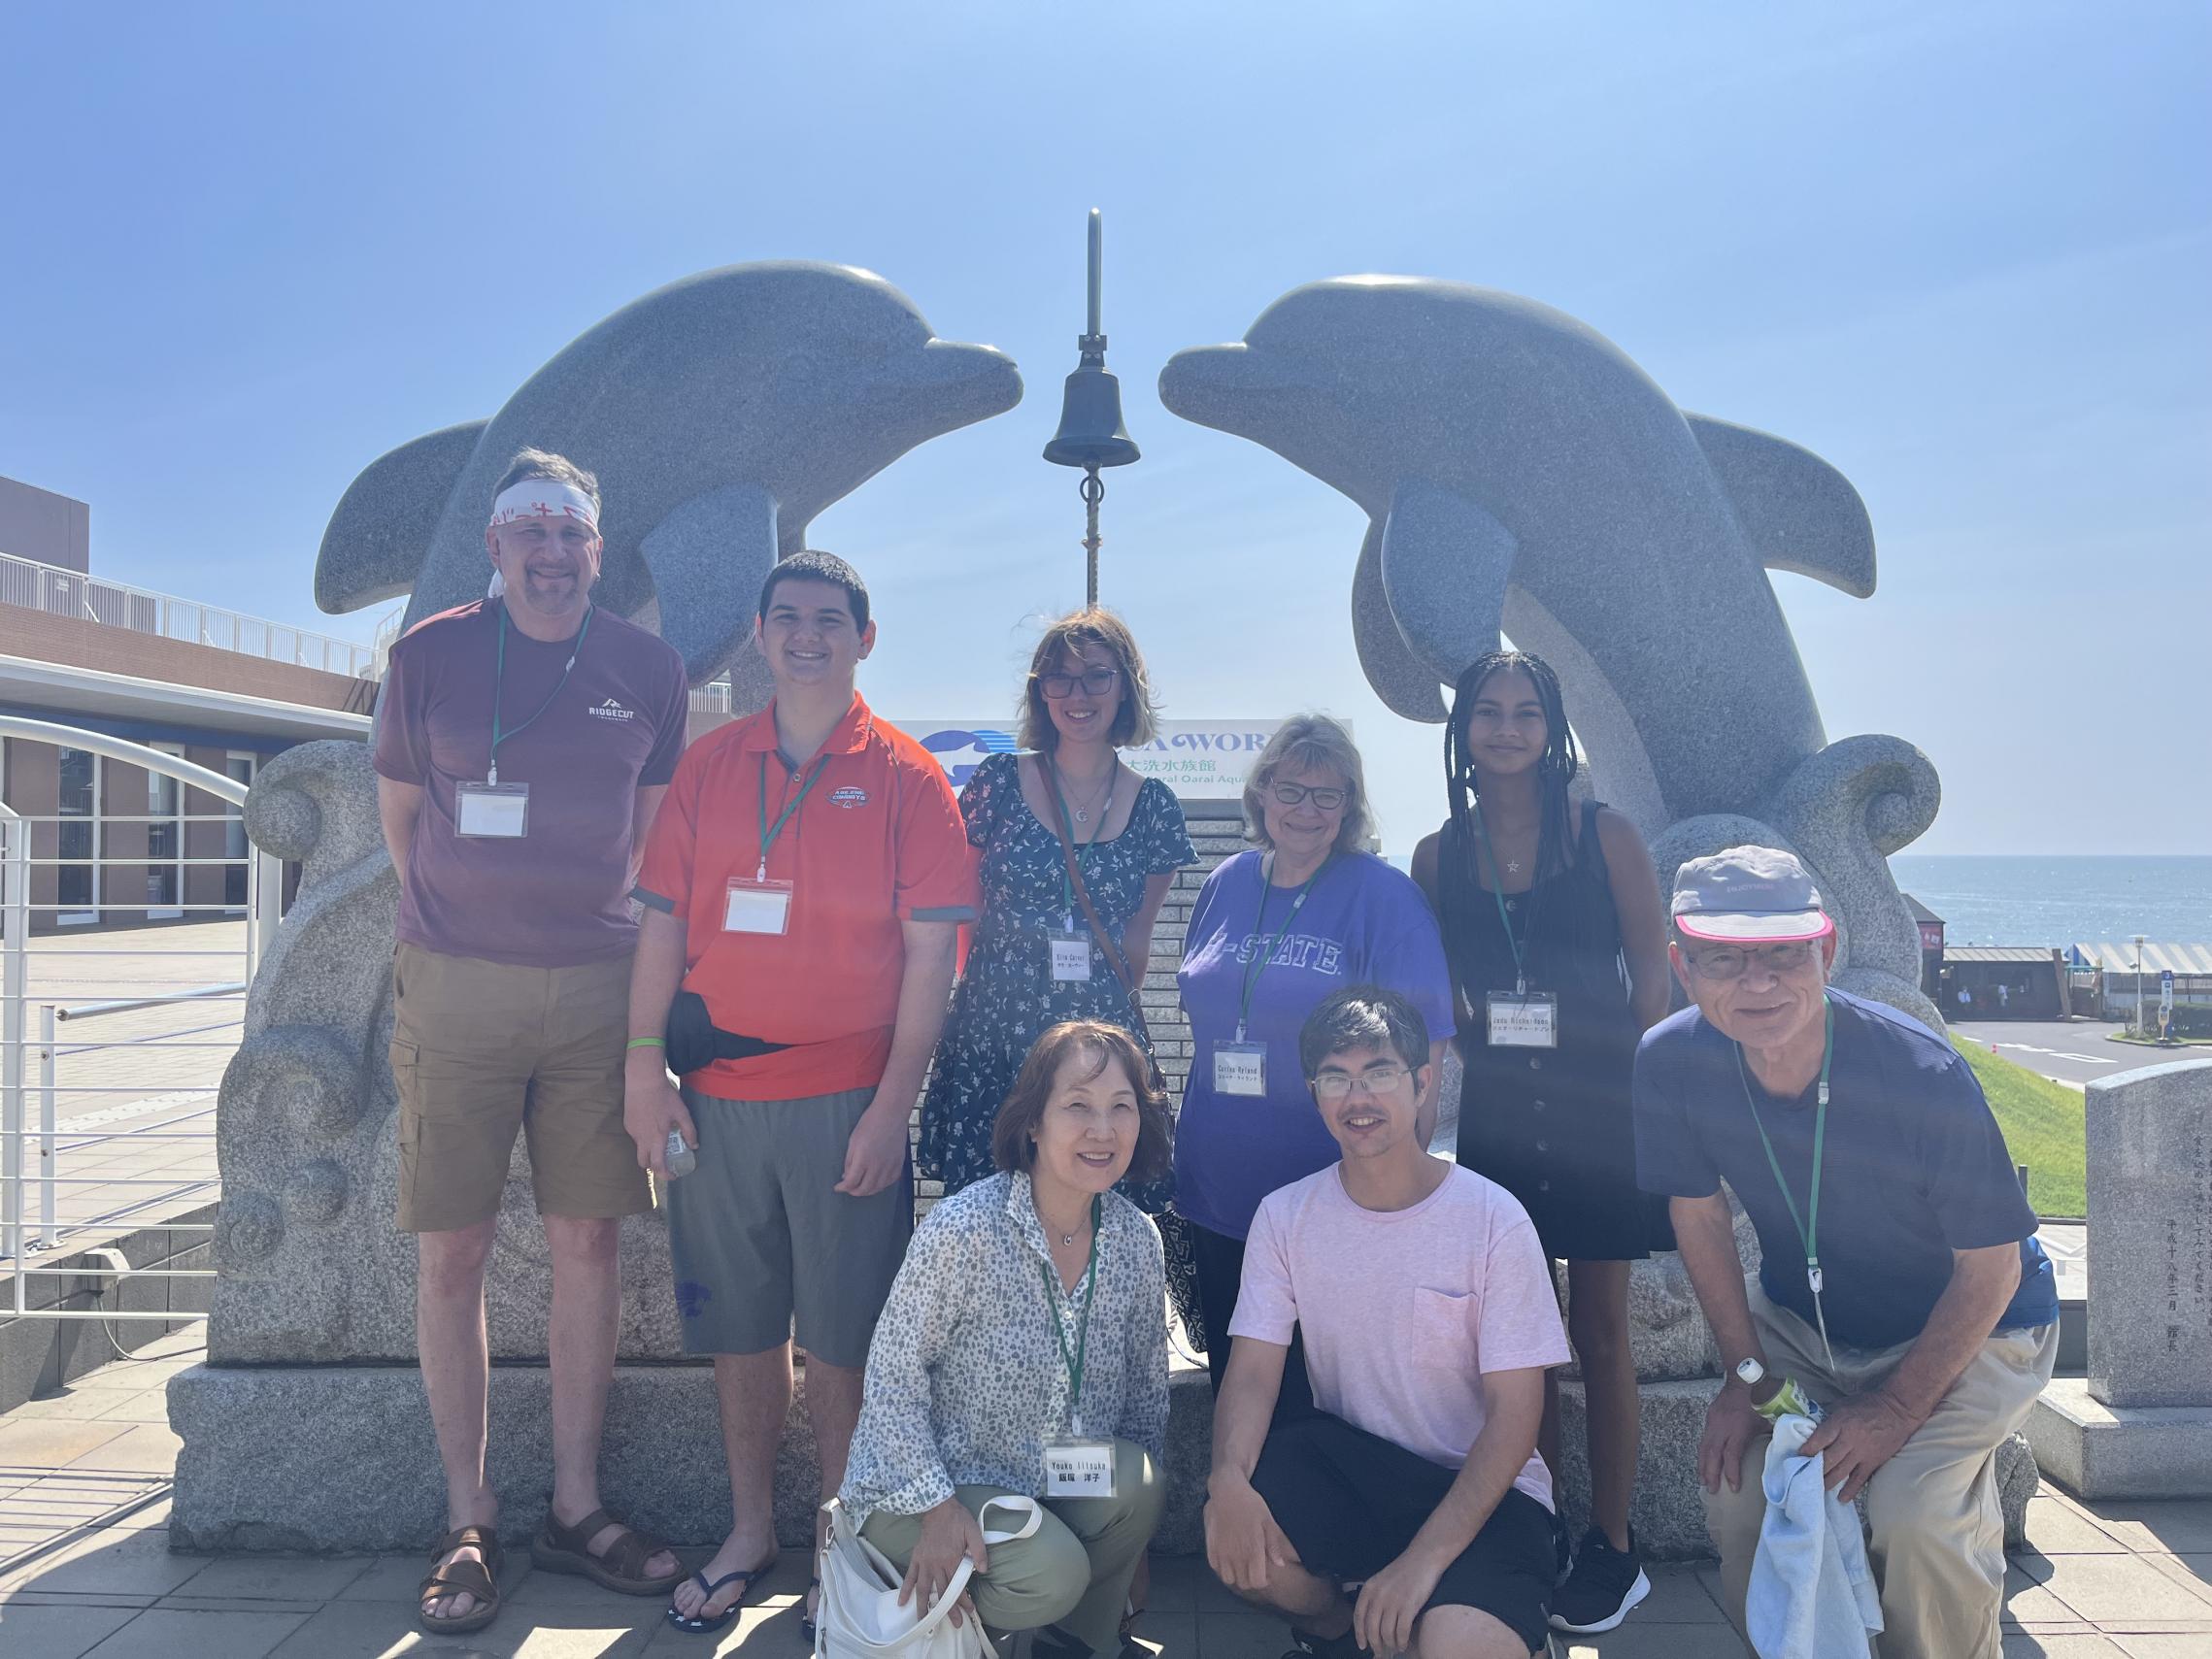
[2141, 1426]
[340, 1458]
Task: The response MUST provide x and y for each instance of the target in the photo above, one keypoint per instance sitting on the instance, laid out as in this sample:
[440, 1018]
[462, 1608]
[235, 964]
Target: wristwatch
[1750, 1372]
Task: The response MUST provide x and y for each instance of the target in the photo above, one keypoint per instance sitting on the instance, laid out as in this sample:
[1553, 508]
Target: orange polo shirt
[877, 839]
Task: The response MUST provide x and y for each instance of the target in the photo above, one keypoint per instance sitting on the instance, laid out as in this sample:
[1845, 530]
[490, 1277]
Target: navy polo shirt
[1915, 1168]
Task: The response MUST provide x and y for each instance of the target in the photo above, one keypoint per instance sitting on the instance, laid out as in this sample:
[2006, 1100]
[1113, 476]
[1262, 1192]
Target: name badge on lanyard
[491, 810]
[757, 906]
[1079, 1469]
[1521, 1019]
[1240, 1068]
[1070, 954]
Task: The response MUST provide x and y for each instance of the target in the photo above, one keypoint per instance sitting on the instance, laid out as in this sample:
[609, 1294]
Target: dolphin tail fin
[708, 559]
[1801, 513]
[1403, 684]
[374, 545]
[1445, 563]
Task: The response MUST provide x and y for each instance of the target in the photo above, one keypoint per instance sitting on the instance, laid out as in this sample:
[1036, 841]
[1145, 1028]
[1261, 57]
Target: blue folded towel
[1812, 1593]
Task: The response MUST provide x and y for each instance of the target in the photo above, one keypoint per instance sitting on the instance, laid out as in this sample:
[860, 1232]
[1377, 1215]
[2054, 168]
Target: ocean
[2062, 901]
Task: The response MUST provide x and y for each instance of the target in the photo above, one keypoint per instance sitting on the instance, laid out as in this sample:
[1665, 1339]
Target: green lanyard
[1258, 964]
[1067, 823]
[499, 687]
[768, 832]
[1496, 891]
[1074, 1361]
[1808, 1224]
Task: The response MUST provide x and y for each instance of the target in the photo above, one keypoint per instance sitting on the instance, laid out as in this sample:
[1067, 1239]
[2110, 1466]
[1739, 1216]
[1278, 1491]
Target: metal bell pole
[1090, 434]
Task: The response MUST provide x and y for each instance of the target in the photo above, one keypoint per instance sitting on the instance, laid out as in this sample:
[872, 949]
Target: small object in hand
[682, 1160]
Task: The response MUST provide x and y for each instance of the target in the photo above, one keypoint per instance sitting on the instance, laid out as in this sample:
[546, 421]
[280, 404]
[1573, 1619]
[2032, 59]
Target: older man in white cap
[1901, 1285]
[524, 743]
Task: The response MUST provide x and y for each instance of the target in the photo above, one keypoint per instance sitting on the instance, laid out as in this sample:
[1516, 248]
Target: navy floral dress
[1007, 998]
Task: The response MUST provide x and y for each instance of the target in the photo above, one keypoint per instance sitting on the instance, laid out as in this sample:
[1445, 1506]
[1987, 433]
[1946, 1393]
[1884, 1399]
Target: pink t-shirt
[1402, 1311]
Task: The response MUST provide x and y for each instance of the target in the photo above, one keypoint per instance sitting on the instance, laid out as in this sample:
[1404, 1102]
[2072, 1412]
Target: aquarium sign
[1203, 759]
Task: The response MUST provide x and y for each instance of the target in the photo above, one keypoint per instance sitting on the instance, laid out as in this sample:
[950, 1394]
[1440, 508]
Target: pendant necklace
[1083, 817]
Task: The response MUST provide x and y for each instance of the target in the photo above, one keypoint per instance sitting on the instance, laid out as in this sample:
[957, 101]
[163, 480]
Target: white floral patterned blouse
[965, 1381]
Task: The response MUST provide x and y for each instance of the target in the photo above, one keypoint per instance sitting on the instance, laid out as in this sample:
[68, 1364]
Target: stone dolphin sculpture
[721, 413]
[1521, 474]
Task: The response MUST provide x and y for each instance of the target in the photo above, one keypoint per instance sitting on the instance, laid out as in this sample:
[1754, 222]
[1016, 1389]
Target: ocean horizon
[2042, 900]
[2039, 900]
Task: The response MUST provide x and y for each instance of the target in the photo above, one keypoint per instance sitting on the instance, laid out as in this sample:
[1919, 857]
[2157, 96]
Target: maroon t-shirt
[559, 895]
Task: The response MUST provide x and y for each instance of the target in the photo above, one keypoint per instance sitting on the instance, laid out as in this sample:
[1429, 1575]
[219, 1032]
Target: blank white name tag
[1071, 956]
[1240, 1068]
[1523, 1020]
[491, 809]
[757, 906]
[1079, 1469]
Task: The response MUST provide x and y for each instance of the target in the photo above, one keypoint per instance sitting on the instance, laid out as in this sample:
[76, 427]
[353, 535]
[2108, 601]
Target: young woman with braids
[1557, 941]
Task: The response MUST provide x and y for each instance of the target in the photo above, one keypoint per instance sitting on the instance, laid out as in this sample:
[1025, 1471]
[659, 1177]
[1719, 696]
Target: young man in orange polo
[802, 888]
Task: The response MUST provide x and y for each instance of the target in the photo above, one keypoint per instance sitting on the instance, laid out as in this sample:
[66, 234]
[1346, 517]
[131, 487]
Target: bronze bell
[1092, 433]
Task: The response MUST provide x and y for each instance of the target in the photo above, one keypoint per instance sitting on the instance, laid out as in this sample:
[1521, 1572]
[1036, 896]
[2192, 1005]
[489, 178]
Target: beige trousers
[1936, 1536]
[1074, 1571]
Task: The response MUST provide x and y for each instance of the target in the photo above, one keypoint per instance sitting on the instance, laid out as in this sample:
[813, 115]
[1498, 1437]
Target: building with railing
[120, 844]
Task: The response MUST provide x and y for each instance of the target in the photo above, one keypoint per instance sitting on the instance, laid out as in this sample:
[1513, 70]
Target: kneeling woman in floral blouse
[1023, 1352]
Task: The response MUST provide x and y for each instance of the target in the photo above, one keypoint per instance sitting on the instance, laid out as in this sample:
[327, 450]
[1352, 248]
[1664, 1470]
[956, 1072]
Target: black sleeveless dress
[1552, 1125]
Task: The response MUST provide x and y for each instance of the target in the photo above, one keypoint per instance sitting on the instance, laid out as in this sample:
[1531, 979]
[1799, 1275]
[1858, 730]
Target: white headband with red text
[543, 498]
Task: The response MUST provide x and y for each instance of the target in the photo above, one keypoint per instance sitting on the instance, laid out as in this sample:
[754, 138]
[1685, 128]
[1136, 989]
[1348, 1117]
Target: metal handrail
[192, 1104]
[81, 596]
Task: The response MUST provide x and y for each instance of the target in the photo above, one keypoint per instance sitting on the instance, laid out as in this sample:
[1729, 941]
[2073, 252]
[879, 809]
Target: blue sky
[1962, 252]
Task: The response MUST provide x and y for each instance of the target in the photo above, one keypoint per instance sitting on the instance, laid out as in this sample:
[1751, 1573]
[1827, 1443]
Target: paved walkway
[153, 1071]
[86, 1572]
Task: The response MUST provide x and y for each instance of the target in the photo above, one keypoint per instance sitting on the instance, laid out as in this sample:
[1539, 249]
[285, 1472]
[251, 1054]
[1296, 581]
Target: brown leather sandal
[477, 1578]
[560, 1548]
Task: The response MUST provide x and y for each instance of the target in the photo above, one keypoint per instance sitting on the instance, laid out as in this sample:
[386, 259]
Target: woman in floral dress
[1034, 961]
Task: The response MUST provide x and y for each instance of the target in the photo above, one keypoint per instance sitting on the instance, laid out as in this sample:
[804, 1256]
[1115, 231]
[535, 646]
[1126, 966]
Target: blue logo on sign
[954, 749]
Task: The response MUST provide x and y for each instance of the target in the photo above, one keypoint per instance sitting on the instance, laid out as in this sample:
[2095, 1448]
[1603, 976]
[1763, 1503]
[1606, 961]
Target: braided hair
[1555, 768]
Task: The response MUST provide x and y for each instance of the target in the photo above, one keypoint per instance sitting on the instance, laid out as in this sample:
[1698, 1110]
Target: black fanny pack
[695, 1042]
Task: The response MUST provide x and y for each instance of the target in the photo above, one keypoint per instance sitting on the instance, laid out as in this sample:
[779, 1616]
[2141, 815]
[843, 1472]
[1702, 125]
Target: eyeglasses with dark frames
[1327, 800]
[1097, 681]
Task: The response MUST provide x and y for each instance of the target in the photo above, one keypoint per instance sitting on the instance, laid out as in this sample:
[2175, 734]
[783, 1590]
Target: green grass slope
[2042, 1123]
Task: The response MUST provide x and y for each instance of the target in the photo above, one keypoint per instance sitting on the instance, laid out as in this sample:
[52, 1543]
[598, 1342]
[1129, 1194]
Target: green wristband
[648, 1043]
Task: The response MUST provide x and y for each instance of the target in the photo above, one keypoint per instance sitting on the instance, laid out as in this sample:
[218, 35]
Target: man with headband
[1900, 1284]
[524, 743]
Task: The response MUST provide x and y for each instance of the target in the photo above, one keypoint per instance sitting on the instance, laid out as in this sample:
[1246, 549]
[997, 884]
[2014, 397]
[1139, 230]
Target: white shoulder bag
[859, 1616]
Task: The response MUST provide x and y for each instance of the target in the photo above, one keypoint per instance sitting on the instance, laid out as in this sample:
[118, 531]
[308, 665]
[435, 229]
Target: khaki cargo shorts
[480, 1050]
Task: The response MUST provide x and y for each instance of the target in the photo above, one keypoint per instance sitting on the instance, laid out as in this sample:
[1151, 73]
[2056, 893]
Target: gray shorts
[765, 1248]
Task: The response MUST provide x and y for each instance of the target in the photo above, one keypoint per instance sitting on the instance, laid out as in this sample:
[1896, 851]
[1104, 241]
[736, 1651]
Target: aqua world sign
[1203, 759]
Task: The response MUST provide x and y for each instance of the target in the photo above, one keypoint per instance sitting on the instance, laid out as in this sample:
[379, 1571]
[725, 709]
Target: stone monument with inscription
[2140, 1424]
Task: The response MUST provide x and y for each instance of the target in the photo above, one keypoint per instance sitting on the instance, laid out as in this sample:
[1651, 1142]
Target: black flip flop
[695, 1626]
[806, 1619]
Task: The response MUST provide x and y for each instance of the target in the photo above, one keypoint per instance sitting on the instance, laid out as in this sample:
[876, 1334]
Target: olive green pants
[1074, 1571]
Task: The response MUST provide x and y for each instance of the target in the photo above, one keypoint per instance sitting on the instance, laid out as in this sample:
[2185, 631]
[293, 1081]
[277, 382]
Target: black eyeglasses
[1729, 963]
[1095, 681]
[1327, 800]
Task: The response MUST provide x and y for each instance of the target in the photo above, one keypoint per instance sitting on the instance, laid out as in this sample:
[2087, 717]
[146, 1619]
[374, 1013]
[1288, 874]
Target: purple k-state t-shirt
[559, 895]
[1364, 923]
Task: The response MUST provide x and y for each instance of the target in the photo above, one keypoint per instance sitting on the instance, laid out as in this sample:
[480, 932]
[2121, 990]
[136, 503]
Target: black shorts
[1350, 1503]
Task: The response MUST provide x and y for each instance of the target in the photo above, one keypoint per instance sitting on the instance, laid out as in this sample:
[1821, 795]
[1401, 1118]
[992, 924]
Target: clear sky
[1963, 251]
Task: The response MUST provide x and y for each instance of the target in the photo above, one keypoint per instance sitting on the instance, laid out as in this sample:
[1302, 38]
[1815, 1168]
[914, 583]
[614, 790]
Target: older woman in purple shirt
[1275, 930]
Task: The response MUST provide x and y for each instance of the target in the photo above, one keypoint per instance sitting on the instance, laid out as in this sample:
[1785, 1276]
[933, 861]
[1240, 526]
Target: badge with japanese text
[1522, 1019]
[1079, 1469]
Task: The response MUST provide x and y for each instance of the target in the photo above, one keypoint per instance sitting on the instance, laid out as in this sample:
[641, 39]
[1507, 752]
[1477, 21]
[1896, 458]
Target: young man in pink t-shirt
[1428, 1319]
